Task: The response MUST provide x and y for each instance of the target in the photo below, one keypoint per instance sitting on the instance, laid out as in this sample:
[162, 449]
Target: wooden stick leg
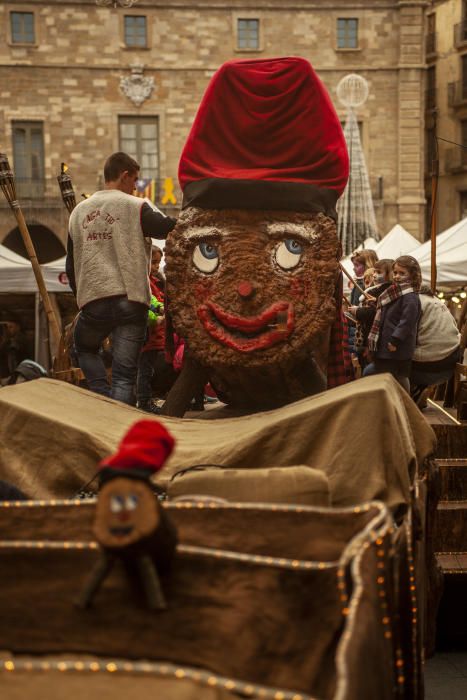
[152, 586]
[192, 379]
[94, 582]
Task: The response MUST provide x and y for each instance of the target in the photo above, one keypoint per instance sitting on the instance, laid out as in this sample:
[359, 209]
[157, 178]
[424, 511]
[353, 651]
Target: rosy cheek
[297, 287]
[203, 290]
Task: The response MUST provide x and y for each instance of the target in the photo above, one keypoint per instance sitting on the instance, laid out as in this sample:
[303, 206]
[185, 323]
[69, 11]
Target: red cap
[144, 448]
[268, 120]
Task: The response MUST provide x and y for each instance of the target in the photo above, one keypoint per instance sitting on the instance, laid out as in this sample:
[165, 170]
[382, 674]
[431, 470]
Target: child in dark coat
[366, 312]
[362, 260]
[393, 335]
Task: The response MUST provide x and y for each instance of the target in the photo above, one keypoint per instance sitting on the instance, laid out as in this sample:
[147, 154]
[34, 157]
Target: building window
[135, 31]
[464, 132]
[28, 158]
[248, 34]
[347, 33]
[463, 204]
[464, 78]
[360, 129]
[463, 151]
[139, 137]
[430, 95]
[430, 39]
[430, 149]
[22, 28]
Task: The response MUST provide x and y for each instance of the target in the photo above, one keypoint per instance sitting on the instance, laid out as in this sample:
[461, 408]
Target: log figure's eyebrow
[288, 229]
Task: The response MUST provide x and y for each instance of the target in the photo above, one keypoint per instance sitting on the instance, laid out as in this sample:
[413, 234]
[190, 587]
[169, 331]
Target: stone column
[411, 195]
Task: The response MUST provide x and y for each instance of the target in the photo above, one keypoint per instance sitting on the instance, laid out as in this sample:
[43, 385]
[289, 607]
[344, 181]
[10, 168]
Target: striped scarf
[395, 291]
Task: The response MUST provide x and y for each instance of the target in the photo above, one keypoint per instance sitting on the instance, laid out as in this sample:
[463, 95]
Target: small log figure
[130, 524]
[253, 277]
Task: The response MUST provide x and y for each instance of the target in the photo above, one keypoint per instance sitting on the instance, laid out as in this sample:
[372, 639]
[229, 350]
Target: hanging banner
[146, 188]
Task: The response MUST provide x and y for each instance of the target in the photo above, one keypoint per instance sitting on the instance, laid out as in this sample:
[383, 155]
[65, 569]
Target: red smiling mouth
[248, 333]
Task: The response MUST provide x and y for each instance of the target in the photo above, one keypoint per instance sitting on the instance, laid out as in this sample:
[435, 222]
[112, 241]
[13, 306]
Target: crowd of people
[394, 323]
[399, 326]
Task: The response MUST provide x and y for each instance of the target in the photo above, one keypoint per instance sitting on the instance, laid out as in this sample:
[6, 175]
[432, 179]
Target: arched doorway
[48, 246]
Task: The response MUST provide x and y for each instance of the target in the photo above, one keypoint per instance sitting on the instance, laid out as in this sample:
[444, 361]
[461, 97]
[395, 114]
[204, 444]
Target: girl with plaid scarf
[366, 311]
[393, 335]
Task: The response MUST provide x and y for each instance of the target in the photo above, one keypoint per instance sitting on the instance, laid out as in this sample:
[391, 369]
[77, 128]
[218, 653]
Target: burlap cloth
[367, 436]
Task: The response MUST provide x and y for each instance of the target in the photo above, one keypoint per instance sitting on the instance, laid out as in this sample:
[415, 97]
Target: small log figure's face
[251, 288]
[126, 512]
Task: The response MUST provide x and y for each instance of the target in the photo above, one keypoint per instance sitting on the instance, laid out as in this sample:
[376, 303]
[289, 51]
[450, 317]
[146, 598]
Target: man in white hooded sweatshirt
[437, 348]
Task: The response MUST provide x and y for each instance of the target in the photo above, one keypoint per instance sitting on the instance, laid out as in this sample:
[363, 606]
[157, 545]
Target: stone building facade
[62, 97]
[446, 109]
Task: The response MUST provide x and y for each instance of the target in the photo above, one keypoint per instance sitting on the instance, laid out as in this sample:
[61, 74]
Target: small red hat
[266, 135]
[142, 451]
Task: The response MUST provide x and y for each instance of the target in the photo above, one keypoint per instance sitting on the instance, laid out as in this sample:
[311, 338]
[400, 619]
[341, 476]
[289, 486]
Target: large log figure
[261, 329]
[252, 266]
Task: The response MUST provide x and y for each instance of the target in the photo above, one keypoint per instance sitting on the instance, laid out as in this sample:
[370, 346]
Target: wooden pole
[38, 274]
[434, 192]
[8, 186]
[434, 188]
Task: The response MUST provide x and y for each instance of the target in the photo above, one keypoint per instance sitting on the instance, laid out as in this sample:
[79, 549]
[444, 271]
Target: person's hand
[370, 298]
[352, 310]
[391, 347]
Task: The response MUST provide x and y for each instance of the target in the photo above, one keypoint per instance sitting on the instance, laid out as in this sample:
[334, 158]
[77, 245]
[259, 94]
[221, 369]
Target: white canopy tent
[370, 243]
[451, 256]
[395, 243]
[17, 277]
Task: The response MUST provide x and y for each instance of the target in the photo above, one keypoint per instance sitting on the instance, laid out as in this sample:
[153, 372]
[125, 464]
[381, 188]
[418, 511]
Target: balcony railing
[430, 44]
[460, 34]
[430, 98]
[27, 188]
[456, 160]
[457, 93]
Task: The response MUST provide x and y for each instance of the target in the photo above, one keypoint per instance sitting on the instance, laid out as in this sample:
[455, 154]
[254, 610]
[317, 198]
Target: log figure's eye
[288, 253]
[206, 257]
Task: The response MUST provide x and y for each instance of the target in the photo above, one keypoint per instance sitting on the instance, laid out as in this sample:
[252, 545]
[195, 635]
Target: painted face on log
[249, 288]
[126, 512]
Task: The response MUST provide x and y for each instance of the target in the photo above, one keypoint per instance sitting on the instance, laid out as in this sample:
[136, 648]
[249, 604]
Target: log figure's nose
[245, 289]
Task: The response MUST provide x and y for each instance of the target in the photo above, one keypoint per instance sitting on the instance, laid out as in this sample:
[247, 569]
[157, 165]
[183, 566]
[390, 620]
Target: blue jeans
[369, 370]
[152, 363]
[146, 368]
[127, 322]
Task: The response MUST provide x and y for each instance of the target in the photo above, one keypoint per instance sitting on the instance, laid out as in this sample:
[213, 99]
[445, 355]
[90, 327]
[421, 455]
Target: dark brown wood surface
[453, 479]
[452, 440]
[451, 530]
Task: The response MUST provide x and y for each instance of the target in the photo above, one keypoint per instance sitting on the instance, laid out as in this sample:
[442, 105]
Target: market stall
[19, 296]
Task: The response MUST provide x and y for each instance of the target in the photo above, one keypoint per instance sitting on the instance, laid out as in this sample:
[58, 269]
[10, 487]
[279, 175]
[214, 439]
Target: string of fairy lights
[456, 298]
